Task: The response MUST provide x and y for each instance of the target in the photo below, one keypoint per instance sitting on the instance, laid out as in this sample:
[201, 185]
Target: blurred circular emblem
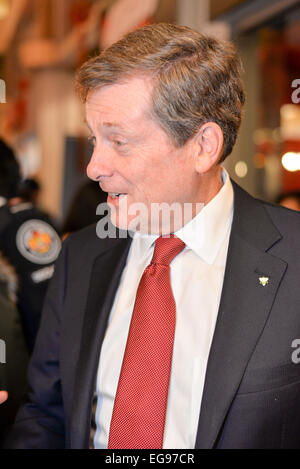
[38, 242]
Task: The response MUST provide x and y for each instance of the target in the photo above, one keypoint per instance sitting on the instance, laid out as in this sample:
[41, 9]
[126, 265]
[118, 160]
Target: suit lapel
[244, 308]
[105, 277]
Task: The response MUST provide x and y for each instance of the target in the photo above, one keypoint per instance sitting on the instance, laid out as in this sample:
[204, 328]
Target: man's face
[133, 156]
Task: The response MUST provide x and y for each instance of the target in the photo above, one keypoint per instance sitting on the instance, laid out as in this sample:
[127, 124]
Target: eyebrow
[108, 125]
[113, 124]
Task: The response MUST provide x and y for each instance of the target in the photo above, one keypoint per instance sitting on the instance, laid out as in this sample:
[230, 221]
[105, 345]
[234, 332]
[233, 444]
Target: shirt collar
[205, 233]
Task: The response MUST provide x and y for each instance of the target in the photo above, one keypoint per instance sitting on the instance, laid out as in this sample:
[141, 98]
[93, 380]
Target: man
[29, 241]
[182, 340]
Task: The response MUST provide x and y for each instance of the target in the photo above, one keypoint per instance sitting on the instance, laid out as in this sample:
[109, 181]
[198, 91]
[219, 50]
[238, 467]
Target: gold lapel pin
[264, 281]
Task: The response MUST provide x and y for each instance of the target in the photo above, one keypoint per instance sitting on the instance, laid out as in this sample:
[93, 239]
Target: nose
[98, 166]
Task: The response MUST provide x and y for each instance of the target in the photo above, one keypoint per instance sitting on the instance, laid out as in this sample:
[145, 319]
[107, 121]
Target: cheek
[153, 175]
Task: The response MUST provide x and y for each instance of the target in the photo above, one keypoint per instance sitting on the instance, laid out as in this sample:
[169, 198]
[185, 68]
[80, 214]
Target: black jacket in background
[13, 372]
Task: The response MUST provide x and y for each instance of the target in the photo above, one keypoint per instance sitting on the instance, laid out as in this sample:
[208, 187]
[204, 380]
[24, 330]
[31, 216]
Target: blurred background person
[14, 357]
[82, 211]
[29, 190]
[28, 240]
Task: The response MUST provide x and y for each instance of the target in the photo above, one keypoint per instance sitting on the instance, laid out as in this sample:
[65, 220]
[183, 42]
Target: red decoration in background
[17, 113]
[105, 23]
[79, 11]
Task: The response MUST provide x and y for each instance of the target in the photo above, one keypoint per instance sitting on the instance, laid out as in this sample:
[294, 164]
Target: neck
[210, 184]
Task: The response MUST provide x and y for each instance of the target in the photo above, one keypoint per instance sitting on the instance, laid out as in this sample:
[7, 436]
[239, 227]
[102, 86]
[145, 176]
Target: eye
[118, 143]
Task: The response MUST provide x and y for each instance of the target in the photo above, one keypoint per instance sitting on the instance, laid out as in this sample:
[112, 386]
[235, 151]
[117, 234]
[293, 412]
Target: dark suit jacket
[251, 396]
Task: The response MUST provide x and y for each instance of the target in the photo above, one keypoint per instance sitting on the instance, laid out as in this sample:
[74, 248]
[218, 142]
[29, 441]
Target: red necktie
[139, 413]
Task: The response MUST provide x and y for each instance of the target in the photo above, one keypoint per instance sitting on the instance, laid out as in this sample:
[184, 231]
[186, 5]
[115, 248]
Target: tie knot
[166, 249]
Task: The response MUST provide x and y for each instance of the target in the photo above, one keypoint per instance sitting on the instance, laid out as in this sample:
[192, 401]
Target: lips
[114, 195]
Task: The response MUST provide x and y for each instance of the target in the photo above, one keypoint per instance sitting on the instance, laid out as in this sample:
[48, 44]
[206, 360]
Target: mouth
[115, 195]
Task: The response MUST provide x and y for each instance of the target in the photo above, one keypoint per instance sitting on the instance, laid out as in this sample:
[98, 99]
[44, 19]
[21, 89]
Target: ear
[208, 146]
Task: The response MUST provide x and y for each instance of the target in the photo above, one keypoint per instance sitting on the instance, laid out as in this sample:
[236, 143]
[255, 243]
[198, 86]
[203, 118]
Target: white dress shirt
[197, 275]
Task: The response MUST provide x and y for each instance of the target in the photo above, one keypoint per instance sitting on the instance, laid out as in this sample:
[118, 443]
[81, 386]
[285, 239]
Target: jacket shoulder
[286, 220]
[86, 243]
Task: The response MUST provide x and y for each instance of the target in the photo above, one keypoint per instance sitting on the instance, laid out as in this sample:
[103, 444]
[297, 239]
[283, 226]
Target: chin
[119, 222]
[129, 223]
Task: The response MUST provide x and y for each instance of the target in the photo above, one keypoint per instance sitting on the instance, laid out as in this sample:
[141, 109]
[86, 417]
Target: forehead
[122, 102]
